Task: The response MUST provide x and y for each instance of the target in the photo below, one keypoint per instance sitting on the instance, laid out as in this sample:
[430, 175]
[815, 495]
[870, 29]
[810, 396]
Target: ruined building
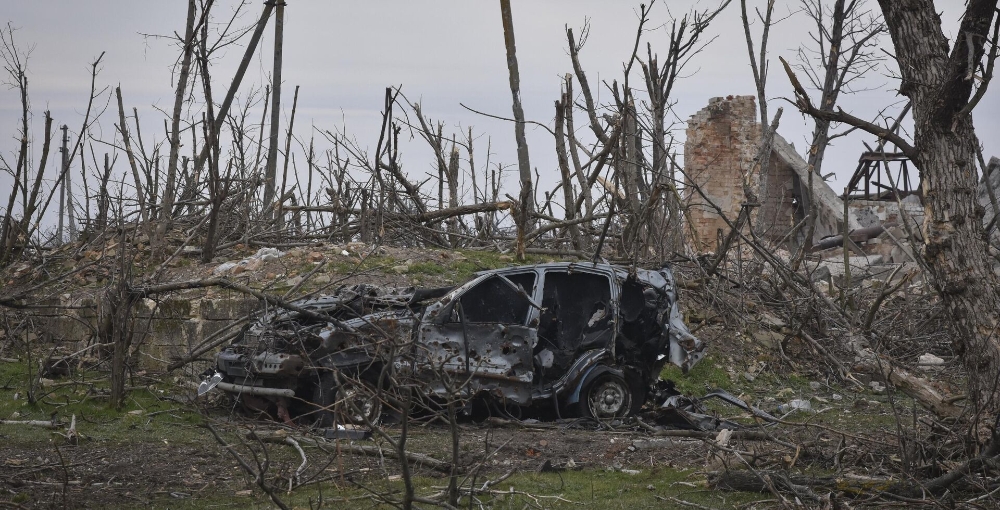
[721, 159]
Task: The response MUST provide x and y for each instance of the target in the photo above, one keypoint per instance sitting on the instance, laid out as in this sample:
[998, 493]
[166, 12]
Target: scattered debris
[348, 431]
[689, 413]
[251, 263]
[929, 361]
[797, 404]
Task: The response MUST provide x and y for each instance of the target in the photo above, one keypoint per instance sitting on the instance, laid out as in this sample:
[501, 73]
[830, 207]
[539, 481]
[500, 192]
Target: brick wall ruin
[720, 146]
[722, 141]
[777, 192]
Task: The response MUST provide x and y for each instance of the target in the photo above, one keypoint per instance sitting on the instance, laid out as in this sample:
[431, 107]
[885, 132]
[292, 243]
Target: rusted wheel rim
[609, 398]
[356, 403]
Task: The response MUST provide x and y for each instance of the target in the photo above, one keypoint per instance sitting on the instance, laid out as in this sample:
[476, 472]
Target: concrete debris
[722, 439]
[251, 263]
[929, 361]
[653, 443]
[223, 268]
[772, 321]
[266, 254]
[797, 404]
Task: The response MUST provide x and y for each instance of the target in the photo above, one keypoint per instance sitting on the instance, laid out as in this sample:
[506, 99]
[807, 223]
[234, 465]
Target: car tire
[365, 399]
[607, 397]
[334, 401]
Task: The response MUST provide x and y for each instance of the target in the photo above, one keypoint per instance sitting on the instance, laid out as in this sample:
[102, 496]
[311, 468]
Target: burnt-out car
[588, 338]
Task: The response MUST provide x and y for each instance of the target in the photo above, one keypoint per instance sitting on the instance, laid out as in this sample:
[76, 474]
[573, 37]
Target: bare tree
[272, 151]
[526, 199]
[167, 204]
[940, 81]
[846, 48]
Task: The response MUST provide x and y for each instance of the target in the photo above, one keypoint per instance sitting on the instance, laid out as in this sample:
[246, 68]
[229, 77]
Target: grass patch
[428, 268]
[475, 261]
[146, 416]
[571, 489]
[707, 374]
[350, 266]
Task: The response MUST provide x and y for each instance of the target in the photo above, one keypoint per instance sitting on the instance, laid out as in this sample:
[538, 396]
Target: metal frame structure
[874, 171]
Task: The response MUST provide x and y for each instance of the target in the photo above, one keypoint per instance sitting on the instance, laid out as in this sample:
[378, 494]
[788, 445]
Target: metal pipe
[255, 390]
[856, 235]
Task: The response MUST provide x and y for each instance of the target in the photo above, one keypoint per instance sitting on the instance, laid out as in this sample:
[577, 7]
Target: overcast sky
[442, 52]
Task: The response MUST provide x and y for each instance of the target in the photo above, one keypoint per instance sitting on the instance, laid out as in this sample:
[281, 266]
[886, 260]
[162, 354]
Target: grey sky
[442, 52]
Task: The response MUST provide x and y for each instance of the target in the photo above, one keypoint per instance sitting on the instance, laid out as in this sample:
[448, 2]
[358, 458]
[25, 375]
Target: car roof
[660, 278]
[546, 266]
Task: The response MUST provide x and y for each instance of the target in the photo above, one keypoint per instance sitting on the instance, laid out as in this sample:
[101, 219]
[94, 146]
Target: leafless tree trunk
[103, 200]
[121, 304]
[284, 170]
[127, 141]
[16, 65]
[759, 67]
[526, 199]
[846, 51]
[453, 172]
[217, 190]
[940, 86]
[272, 152]
[167, 203]
[940, 83]
[564, 105]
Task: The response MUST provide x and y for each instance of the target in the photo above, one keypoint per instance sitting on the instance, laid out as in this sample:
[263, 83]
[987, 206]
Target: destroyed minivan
[587, 338]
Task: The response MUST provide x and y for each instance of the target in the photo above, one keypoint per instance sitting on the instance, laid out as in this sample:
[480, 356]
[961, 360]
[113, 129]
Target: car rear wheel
[606, 397]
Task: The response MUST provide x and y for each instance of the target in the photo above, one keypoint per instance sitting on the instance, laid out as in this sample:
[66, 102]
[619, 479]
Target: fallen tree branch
[805, 106]
[33, 423]
[914, 386]
[280, 435]
[258, 476]
[426, 217]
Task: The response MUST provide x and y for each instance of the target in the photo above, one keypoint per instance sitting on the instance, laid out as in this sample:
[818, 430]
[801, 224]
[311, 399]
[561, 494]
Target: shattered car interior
[588, 339]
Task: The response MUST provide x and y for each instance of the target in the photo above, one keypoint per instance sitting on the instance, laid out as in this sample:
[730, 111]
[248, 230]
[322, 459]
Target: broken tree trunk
[914, 386]
[272, 152]
[167, 202]
[527, 197]
[940, 86]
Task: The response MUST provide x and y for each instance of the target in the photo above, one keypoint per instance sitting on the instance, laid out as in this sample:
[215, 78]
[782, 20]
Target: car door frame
[492, 357]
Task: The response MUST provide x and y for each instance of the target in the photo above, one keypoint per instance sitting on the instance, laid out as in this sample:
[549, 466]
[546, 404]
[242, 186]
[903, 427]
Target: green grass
[428, 268]
[706, 375]
[569, 489]
[349, 266]
[476, 260]
[146, 414]
[649, 489]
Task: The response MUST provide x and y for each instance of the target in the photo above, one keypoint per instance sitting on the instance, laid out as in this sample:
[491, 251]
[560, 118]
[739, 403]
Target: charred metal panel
[495, 358]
